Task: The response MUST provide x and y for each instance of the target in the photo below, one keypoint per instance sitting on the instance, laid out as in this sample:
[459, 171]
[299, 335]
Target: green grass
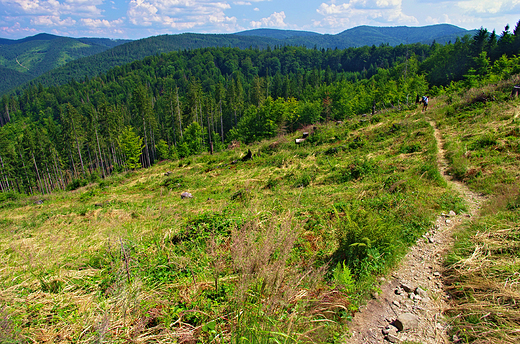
[253, 256]
[481, 140]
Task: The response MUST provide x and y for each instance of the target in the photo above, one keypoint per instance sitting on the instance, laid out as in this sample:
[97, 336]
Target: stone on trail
[392, 338]
[406, 287]
[452, 213]
[421, 292]
[406, 321]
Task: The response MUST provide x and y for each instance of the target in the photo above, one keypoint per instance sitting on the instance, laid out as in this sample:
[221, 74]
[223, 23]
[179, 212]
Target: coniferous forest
[184, 103]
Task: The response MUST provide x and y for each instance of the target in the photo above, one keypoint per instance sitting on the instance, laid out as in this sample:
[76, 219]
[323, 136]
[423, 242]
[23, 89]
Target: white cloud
[274, 20]
[181, 14]
[99, 23]
[52, 21]
[16, 29]
[256, 9]
[242, 3]
[490, 7]
[362, 12]
[54, 7]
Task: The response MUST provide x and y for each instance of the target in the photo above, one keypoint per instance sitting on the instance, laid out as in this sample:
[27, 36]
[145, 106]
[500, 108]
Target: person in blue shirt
[424, 100]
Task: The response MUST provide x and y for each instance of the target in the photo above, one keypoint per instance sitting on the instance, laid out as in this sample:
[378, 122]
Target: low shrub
[357, 169]
[9, 196]
[484, 141]
[76, 184]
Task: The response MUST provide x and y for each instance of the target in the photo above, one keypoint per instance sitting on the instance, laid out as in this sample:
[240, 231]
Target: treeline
[183, 103]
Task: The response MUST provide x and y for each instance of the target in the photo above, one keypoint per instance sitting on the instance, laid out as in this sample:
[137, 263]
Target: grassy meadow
[283, 247]
[280, 248]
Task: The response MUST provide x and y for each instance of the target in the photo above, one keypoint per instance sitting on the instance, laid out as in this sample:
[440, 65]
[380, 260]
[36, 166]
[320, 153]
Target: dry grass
[484, 278]
[110, 263]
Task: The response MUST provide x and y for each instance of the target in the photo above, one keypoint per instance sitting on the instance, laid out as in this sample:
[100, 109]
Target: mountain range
[51, 60]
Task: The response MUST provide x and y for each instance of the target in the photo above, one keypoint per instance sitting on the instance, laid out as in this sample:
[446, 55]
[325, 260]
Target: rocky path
[411, 303]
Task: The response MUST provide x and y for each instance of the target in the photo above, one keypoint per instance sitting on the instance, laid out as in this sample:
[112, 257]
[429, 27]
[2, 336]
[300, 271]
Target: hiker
[424, 100]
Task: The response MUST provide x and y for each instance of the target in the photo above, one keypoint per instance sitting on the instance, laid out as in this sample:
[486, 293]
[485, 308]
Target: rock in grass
[406, 321]
[452, 213]
[186, 195]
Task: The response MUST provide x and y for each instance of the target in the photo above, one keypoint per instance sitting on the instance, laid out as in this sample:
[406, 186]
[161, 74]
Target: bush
[484, 141]
[357, 170]
[367, 242]
[304, 180]
[76, 184]
[410, 148]
[8, 196]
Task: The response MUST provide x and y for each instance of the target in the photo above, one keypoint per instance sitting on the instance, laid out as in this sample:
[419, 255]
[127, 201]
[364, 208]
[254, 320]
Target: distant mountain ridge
[24, 59]
[52, 60]
[366, 35]
[276, 33]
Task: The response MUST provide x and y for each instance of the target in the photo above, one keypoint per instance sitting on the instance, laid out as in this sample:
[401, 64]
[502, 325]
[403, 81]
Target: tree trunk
[173, 121]
[5, 175]
[100, 156]
[221, 123]
[179, 112]
[26, 174]
[147, 152]
[75, 173]
[38, 174]
[79, 150]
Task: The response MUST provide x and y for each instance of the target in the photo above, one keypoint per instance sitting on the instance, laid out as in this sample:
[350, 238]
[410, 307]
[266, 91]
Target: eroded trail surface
[413, 297]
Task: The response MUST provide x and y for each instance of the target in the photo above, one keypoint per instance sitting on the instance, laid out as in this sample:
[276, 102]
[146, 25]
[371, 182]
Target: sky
[135, 19]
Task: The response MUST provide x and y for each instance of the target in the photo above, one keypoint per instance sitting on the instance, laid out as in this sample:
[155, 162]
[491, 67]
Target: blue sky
[136, 19]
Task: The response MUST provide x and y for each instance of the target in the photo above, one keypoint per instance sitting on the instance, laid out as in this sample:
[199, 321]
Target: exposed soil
[422, 267]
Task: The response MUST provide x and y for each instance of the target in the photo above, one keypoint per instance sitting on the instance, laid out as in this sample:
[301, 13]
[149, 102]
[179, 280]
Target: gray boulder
[186, 195]
[406, 321]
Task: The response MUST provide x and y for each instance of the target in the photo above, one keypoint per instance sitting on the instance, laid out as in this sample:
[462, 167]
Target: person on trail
[424, 100]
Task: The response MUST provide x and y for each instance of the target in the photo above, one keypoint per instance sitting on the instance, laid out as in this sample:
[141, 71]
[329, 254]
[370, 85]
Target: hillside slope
[33, 56]
[271, 247]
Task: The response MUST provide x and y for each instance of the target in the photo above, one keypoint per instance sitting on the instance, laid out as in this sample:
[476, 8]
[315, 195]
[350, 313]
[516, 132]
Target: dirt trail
[421, 267]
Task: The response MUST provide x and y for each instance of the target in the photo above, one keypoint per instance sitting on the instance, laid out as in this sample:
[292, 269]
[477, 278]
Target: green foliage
[9, 196]
[484, 141]
[343, 276]
[76, 184]
[410, 148]
[193, 138]
[163, 150]
[448, 202]
[367, 242]
[357, 169]
[132, 147]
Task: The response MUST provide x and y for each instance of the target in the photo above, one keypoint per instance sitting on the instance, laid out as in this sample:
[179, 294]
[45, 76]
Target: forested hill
[186, 102]
[136, 50]
[262, 38]
[366, 35]
[24, 59]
